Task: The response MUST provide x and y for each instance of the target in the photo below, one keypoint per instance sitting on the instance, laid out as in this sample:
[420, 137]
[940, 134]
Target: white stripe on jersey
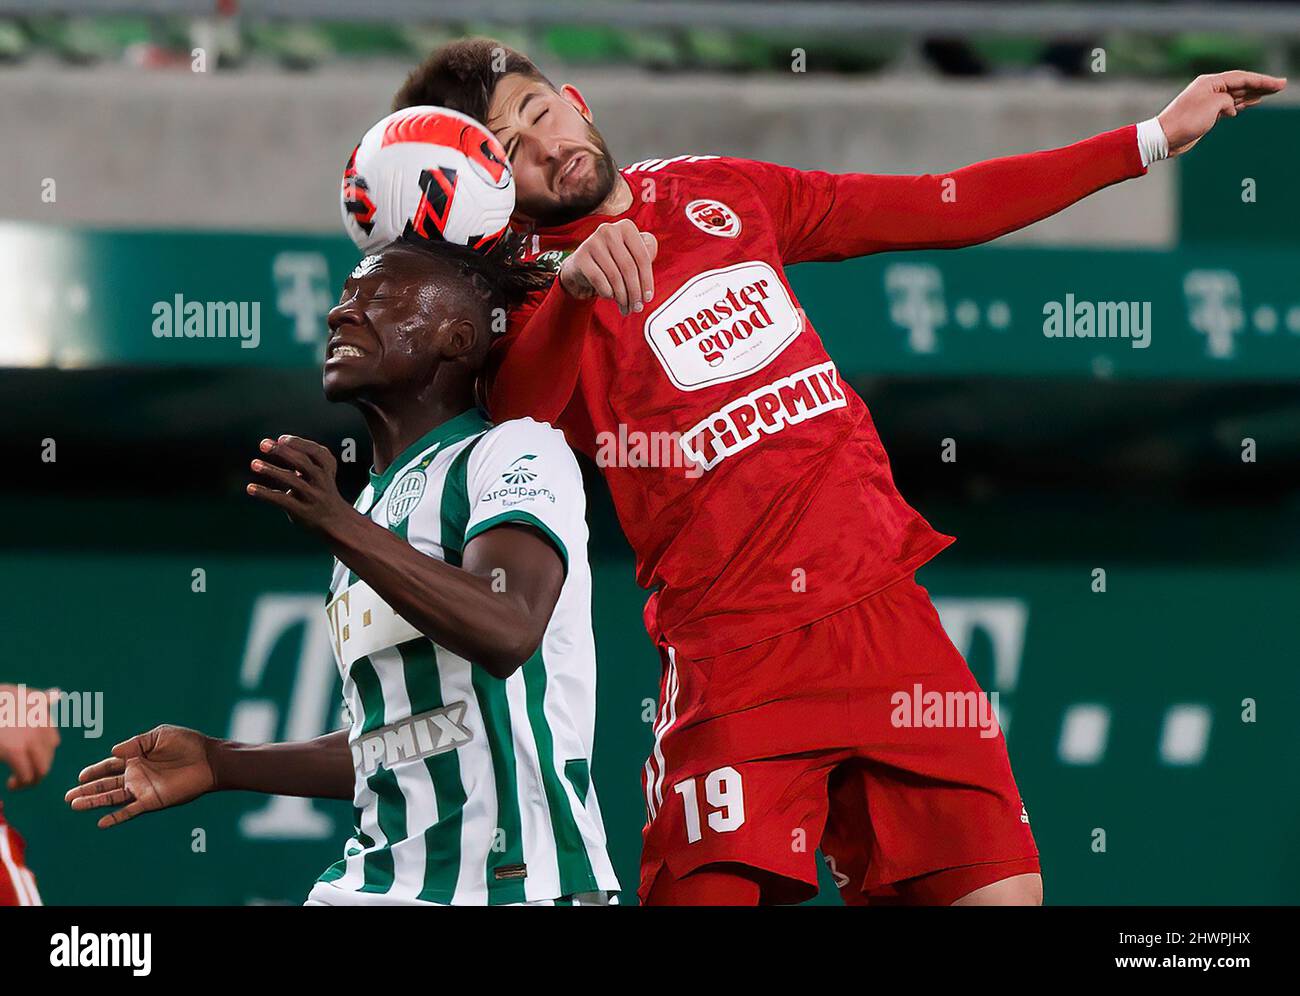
[13, 871]
[479, 817]
[413, 781]
[668, 713]
[534, 810]
[655, 165]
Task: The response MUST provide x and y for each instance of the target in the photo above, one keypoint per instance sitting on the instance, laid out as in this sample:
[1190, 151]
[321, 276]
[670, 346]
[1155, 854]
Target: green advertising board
[1149, 724]
[85, 299]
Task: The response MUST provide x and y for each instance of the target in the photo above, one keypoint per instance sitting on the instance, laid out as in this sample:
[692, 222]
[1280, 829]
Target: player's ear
[570, 93]
[459, 338]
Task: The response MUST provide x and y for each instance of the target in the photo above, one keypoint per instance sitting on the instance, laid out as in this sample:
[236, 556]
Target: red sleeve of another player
[824, 216]
[532, 371]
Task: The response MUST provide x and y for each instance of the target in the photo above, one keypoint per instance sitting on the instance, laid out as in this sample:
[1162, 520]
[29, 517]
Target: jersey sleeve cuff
[525, 518]
[1152, 143]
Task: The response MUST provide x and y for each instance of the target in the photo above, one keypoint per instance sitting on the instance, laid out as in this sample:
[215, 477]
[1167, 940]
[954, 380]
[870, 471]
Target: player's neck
[619, 198]
[395, 428]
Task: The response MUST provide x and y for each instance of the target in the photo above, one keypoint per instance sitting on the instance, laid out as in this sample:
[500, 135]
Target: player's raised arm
[824, 216]
[533, 371]
[170, 766]
[492, 611]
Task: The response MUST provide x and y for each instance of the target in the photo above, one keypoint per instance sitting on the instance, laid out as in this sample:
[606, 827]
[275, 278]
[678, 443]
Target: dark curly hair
[463, 74]
[502, 280]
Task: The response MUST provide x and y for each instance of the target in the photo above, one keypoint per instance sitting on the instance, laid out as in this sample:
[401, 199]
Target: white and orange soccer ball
[432, 173]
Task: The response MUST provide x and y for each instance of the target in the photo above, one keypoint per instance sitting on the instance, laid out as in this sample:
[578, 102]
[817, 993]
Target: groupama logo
[519, 473]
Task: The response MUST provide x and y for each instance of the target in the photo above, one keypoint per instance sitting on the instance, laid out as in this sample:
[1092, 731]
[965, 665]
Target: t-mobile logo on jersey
[722, 325]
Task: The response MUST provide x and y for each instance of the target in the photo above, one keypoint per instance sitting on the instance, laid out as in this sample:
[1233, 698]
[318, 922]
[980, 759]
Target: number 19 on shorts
[724, 802]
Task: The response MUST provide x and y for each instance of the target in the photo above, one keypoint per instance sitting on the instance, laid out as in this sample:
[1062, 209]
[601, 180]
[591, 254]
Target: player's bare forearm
[493, 611]
[172, 765]
[320, 769]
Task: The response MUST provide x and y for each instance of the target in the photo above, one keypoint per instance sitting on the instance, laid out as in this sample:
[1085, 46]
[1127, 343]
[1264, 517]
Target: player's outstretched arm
[171, 765]
[825, 216]
[461, 608]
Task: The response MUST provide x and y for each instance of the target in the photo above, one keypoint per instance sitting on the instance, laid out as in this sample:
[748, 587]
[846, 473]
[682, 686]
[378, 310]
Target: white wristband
[1152, 143]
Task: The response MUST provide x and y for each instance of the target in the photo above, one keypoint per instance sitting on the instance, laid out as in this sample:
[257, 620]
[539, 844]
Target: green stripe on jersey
[391, 804]
[442, 839]
[495, 709]
[492, 703]
[576, 873]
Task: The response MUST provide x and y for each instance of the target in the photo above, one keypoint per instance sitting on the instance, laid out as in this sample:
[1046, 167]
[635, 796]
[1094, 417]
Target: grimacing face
[399, 316]
[563, 169]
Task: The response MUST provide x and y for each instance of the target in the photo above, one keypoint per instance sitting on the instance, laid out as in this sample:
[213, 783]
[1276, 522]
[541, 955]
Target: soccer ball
[431, 173]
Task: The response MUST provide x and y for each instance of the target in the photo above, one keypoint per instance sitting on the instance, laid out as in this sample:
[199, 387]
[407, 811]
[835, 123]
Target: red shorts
[863, 734]
[17, 886]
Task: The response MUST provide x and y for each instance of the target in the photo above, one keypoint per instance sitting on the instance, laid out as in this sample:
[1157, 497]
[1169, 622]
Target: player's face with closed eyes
[563, 169]
[388, 330]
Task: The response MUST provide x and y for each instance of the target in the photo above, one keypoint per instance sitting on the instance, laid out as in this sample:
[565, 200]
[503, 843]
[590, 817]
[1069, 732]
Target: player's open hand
[28, 750]
[302, 482]
[615, 261]
[167, 766]
[1207, 98]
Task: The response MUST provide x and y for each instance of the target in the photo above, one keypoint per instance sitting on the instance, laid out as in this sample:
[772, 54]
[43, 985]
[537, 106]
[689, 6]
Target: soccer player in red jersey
[756, 494]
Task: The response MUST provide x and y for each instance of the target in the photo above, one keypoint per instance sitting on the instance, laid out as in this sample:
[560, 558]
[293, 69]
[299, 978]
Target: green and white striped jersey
[471, 790]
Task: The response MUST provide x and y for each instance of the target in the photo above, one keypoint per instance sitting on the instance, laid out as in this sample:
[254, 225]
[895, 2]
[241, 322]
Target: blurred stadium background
[131, 178]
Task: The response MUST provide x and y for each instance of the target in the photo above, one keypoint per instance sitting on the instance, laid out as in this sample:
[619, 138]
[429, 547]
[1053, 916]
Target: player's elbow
[513, 649]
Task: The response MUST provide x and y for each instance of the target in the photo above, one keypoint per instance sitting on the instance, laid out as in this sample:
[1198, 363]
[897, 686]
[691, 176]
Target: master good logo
[722, 325]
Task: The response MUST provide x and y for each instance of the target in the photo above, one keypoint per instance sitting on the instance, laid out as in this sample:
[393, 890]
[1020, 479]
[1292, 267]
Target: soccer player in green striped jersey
[459, 610]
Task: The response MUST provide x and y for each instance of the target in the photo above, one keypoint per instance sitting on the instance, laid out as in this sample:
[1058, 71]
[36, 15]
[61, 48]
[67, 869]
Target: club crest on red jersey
[714, 217]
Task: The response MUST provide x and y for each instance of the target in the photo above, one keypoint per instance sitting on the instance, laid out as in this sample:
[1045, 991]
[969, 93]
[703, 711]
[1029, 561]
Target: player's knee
[1018, 890]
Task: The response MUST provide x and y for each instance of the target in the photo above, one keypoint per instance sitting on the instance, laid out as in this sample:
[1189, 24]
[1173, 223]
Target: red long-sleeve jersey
[747, 475]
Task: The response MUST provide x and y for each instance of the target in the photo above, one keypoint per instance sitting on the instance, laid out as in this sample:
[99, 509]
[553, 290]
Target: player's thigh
[930, 787]
[1023, 889]
[893, 839]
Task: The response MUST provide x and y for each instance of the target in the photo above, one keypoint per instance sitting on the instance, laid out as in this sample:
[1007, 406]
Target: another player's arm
[170, 766]
[28, 750]
[533, 371]
[827, 216]
[465, 609]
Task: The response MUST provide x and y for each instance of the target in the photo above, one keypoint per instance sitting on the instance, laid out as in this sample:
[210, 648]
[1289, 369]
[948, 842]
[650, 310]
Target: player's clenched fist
[615, 261]
[303, 484]
[167, 766]
[1194, 111]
